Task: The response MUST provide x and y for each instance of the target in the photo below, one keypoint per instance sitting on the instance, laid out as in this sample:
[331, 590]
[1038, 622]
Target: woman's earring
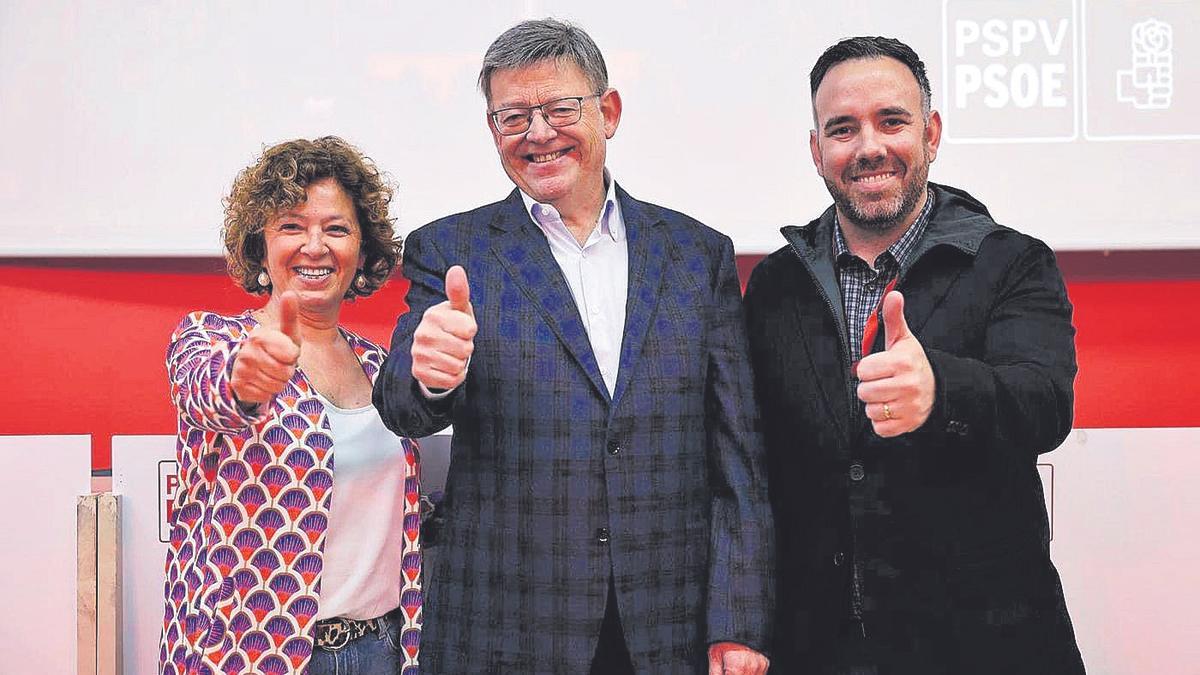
[264, 280]
[360, 280]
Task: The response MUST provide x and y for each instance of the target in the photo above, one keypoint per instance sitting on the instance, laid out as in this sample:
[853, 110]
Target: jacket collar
[958, 220]
[512, 214]
[522, 249]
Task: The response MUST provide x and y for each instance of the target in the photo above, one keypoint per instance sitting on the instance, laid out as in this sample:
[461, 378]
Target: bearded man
[913, 359]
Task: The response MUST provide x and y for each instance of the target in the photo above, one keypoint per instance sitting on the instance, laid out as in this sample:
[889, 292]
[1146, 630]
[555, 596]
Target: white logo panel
[1139, 71]
[1010, 71]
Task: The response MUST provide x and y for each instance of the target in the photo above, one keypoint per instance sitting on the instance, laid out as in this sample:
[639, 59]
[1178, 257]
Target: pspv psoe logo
[1010, 71]
[1150, 79]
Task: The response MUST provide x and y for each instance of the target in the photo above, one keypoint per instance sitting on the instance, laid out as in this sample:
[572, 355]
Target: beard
[880, 215]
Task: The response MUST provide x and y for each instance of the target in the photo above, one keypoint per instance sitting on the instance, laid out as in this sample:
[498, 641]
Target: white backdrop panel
[126, 123]
[42, 477]
[1125, 514]
[138, 463]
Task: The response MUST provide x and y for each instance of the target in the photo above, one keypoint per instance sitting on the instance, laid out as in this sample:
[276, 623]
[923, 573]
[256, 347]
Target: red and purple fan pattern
[243, 572]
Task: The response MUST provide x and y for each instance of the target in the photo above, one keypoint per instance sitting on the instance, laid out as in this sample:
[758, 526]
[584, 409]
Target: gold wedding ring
[887, 412]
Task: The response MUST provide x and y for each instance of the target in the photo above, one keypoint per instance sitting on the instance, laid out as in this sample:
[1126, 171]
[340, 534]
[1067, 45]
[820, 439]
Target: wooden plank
[108, 585]
[85, 602]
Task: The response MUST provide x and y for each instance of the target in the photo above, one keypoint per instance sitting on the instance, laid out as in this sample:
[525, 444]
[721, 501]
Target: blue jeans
[372, 654]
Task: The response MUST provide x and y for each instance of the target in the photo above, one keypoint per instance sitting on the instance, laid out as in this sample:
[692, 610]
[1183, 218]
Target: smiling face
[562, 166]
[872, 144]
[315, 248]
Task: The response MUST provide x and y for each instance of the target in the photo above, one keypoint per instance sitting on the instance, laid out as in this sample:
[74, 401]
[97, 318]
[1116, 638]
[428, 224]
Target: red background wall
[82, 340]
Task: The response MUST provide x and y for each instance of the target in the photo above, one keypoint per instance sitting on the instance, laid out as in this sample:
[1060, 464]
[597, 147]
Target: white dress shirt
[597, 273]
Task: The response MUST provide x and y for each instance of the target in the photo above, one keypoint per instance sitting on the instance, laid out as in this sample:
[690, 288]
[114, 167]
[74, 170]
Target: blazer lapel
[647, 263]
[523, 251]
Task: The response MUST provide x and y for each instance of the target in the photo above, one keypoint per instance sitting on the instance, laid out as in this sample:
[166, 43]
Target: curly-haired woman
[278, 562]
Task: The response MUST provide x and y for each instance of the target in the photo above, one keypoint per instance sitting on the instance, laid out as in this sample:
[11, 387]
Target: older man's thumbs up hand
[445, 338]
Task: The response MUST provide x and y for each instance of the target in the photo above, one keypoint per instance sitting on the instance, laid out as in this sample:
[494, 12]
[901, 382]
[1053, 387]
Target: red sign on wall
[168, 485]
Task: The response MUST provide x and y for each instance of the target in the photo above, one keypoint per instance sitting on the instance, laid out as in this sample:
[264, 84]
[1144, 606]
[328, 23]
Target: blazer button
[614, 448]
[838, 559]
[957, 427]
[602, 535]
[856, 472]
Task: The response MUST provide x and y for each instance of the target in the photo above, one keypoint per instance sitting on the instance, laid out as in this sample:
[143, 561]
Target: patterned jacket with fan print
[243, 569]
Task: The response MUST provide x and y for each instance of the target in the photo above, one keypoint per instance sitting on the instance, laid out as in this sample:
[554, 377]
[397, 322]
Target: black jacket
[934, 544]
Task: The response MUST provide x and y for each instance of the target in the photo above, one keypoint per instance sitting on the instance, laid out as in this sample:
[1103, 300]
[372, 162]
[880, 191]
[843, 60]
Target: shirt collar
[610, 222]
[899, 250]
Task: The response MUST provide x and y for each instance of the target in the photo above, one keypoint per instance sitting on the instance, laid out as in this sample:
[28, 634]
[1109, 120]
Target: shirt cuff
[433, 395]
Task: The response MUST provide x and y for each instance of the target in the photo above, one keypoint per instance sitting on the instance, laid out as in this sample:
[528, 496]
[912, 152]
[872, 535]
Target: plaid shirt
[862, 287]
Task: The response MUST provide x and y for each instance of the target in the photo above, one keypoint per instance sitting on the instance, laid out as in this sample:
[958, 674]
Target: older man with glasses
[606, 505]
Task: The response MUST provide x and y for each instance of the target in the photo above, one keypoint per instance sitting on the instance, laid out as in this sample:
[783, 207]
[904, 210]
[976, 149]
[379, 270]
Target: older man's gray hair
[537, 40]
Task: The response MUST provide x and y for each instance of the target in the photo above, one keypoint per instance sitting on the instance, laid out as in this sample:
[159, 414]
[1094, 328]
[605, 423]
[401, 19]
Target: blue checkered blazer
[552, 485]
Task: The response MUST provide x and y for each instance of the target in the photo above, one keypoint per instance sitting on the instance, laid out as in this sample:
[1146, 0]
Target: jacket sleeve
[1018, 396]
[200, 360]
[396, 395]
[741, 591]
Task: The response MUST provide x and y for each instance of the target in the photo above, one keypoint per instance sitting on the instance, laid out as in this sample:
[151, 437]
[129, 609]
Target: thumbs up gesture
[445, 338]
[268, 357]
[896, 384]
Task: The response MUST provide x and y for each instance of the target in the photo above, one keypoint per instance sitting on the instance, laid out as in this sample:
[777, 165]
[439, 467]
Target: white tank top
[361, 578]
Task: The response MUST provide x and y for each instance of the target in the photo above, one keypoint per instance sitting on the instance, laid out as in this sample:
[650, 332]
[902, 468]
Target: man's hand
[268, 357]
[445, 338]
[896, 384]
[731, 658]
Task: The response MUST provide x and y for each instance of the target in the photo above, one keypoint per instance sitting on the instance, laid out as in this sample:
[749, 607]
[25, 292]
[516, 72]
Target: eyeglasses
[561, 112]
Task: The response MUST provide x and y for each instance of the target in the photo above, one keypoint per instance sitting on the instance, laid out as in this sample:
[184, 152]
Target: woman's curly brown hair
[277, 181]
